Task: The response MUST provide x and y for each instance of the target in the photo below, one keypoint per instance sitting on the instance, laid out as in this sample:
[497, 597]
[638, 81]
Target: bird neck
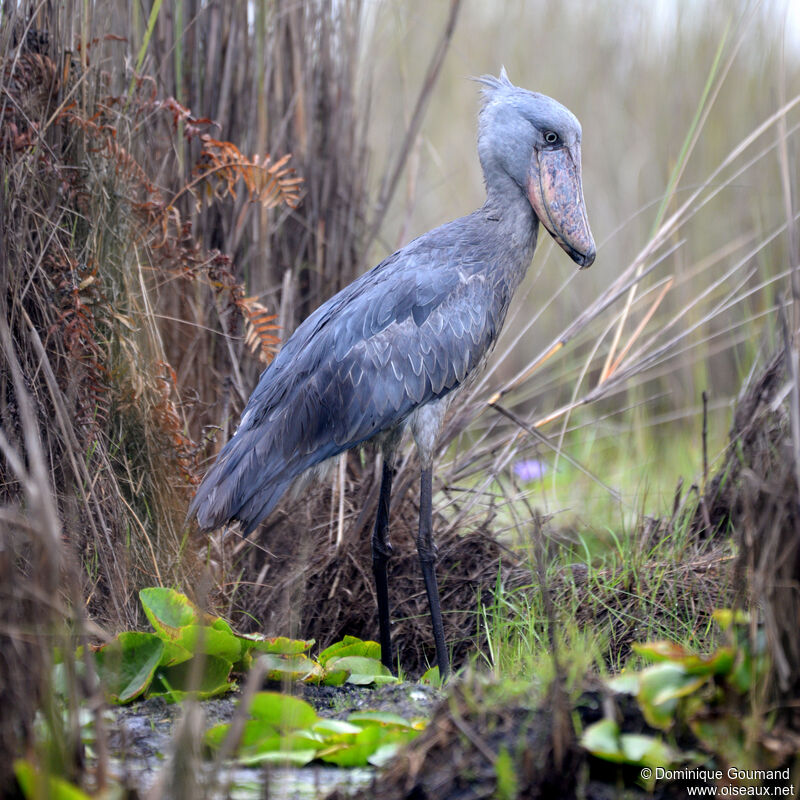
[506, 202]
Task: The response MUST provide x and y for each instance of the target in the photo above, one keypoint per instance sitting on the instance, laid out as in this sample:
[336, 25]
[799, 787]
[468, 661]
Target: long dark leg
[381, 550]
[427, 558]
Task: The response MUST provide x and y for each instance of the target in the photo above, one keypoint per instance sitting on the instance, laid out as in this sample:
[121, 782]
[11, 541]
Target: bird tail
[244, 484]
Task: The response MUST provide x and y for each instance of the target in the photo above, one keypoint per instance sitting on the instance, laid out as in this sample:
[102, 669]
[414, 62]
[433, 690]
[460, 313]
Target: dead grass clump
[755, 497]
[91, 243]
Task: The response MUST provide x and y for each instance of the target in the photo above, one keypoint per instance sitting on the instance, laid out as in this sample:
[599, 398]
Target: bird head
[537, 142]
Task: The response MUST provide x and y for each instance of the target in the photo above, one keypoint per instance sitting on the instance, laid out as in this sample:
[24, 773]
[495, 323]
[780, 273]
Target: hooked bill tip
[584, 260]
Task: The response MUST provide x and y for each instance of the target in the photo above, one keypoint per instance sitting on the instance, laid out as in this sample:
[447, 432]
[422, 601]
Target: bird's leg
[381, 550]
[427, 558]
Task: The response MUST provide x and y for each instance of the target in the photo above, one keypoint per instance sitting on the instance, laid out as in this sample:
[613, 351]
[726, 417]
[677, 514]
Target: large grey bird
[388, 352]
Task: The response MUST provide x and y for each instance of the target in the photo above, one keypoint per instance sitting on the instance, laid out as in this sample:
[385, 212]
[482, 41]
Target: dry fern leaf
[259, 329]
[221, 165]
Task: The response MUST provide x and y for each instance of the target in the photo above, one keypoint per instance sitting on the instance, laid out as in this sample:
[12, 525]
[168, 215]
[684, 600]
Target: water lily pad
[282, 711]
[254, 731]
[363, 670]
[280, 645]
[365, 745]
[660, 688]
[126, 666]
[290, 667]
[168, 610]
[203, 676]
[335, 729]
[384, 718]
[718, 663]
[297, 749]
[605, 740]
[351, 646]
[210, 640]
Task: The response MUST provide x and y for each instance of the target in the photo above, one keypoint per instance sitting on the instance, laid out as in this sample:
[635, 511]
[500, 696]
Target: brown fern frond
[260, 325]
[179, 446]
[221, 165]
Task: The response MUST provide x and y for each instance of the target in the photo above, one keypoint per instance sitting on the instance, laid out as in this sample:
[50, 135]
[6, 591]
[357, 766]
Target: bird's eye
[551, 137]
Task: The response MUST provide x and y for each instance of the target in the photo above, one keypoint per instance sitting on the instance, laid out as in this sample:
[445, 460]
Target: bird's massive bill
[556, 194]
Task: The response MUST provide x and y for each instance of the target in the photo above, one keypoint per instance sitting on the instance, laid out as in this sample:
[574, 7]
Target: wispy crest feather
[491, 85]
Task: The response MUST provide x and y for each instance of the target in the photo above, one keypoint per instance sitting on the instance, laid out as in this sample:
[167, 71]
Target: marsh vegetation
[183, 182]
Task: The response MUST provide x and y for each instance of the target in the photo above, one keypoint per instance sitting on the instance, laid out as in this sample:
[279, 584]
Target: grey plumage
[411, 330]
[405, 333]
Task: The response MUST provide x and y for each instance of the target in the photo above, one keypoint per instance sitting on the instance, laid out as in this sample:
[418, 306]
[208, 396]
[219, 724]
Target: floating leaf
[282, 711]
[384, 718]
[351, 646]
[212, 674]
[126, 666]
[363, 670]
[366, 744]
[335, 728]
[280, 645]
[173, 653]
[290, 668]
[294, 748]
[625, 683]
[254, 731]
[718, 663]
[35, 785]
[660, 687]
[335, 677]
[210, 640]
[604, 740]
[168, 610]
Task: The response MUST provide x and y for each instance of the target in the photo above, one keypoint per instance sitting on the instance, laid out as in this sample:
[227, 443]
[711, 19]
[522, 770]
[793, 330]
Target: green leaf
[282, 711]
[168, 610]
[385, 718]
[660, 687]
[254, 732]
[363, 670]
[601, 739]
[126, 665]
[334, 729]
[291, 667]
[351, 646]
[626, 683]
[173, 653]
[604, 740]
[213, 676]
[431, 676]
[646, 751]
[280, 645]
[210, 640]
[718, 663]
[295, 748]
[35, 785]
[335, 677]
[365, 745]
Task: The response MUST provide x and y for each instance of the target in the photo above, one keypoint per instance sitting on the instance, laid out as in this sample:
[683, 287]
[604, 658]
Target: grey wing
[359, 374]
